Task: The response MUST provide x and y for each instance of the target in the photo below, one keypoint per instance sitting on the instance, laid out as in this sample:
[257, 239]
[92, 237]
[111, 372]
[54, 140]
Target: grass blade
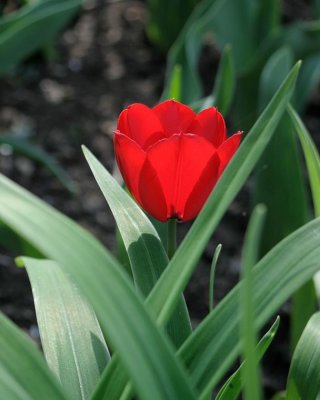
[251, 372]
[232, 388]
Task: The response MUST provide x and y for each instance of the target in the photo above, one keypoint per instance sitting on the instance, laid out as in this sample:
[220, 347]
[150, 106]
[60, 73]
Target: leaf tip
[19, 262]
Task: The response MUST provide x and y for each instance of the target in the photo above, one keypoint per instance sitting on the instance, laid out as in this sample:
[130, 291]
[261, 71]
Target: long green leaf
[225, 82]
[147, 256]
[232, 388]
[215, 344]
[23, 371]
[172, 282]
[312, 158]
[23, 146]
[120, 310]
[304, 374]
[19, 32]
[71, 337]
[278, 169]
[313, 165]
[251, 371]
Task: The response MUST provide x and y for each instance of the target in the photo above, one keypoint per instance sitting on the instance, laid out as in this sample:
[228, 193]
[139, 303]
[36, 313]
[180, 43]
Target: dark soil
[103, 63]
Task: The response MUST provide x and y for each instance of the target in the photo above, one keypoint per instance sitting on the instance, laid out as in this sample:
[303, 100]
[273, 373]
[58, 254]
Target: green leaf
[175, 84]
[225, 82]
[307, 82]
[23, 146]
[19, 31]
[172, 282]
[213, 347]
[232, 387]
[120, 310]
[23, 371]
[304, 374]
[313, 166]
[212, 275]
[278, 169]
[146, 253]
[303, 37]
[311, 155]
[251, 371]
[71, 337]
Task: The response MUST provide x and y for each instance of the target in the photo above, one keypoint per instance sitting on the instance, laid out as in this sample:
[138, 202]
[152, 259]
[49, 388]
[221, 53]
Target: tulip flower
[171, 158]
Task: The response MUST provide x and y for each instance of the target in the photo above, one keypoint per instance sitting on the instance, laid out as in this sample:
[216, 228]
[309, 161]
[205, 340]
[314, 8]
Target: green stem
[171, 237]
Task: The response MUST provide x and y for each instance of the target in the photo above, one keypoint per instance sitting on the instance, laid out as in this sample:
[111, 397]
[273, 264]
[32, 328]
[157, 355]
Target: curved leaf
[23, 371]
[71, 337]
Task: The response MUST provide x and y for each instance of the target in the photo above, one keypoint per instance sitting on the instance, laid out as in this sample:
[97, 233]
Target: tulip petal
[202, 189]
[175, 117]
[178, 163]
[151, 194]
[130, 159]
[227, 150]
[210, 124]
[122, 125]
[141, 124]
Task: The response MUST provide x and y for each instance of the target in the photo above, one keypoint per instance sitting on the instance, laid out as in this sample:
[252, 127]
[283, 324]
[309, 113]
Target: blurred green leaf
[304, 374]
[225, 82]
[233, 386]
[23, 146]
[147, 256]
[303, 37]
[166, 19]
[120, 310]
[307, 82]
[175, 84]
[19, 31]
[23, 371]
[71, 337]
[251, 370]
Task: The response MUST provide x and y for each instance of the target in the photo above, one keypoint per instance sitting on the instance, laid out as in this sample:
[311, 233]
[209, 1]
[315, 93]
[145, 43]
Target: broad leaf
[23, 371]
[147, 256]
[120, 310]
[71, 337]
[19, 31]
[304, 374]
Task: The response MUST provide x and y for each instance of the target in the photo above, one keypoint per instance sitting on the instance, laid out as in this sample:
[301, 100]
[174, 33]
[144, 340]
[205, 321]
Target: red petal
[175, 117]
[151, 194]
[202, 189]
[141, 125]
[122, 125]
[177, 162]
[227, 150]
[210, 124]
[130, 158]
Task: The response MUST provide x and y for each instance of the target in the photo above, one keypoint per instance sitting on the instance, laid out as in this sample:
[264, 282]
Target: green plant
[88, 304]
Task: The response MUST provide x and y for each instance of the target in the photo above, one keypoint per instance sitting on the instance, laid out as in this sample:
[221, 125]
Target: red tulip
[171, 158]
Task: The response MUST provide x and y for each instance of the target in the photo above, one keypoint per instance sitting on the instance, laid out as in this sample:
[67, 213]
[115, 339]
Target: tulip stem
[172, 237]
